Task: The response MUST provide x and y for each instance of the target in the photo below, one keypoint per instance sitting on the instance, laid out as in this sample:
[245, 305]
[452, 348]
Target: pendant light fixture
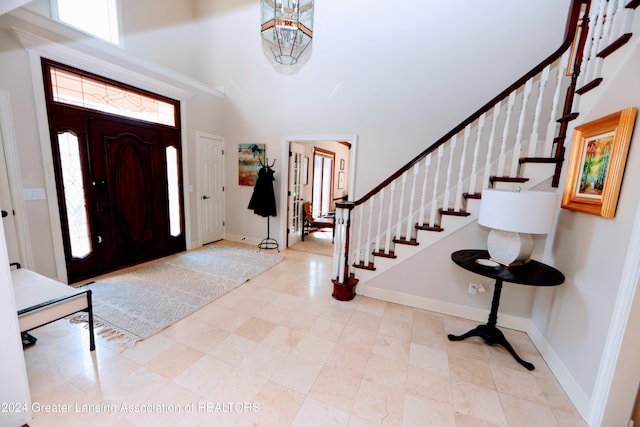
[287, 28]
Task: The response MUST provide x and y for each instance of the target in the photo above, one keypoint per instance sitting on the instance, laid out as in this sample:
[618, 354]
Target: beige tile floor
[279, 351]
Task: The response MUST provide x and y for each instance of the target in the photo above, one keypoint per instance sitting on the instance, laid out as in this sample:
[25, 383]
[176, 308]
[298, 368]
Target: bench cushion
[41, 300]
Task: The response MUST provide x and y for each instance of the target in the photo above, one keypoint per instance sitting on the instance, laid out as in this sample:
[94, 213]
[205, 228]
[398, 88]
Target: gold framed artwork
[596, 164]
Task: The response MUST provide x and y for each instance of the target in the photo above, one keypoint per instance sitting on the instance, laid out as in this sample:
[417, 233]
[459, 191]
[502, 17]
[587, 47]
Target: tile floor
[279, 351]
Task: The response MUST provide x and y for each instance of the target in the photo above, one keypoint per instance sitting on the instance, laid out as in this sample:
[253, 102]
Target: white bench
[41, 300]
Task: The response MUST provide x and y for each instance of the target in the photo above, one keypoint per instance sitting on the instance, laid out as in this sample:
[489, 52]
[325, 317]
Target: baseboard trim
[241, 239]
[580, 400]
[465, 312]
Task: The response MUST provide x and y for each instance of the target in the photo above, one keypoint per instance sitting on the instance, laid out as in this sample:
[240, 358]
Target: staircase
[515, 140]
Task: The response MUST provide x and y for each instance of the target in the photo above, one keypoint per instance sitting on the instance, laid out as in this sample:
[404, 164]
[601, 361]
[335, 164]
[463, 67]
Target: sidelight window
[175, 221]
[74, 195]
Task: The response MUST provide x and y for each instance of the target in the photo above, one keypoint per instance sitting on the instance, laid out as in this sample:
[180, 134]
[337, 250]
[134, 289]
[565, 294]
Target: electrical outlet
[473, 288]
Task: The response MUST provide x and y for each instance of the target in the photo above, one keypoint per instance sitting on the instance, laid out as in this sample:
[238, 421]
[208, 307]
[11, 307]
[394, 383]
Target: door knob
[4, 213]
[205, 197]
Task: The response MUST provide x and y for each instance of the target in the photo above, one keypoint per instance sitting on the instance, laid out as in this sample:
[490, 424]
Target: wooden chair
[311, 224]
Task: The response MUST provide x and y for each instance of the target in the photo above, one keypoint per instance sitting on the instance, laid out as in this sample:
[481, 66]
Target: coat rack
[263, 201]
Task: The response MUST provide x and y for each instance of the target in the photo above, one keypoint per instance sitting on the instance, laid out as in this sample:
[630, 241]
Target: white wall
[575, 318]
[202, 110]
[357, 81]
[397, 75]
[164, 37]
[8, 5]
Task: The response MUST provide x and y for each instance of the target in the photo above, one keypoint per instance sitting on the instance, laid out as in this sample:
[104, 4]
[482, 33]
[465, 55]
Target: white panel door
[6, 206]
[294, 205]
[210, 187]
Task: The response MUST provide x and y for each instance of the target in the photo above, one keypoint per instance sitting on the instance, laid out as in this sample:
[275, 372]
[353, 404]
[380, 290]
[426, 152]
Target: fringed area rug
[132, 306]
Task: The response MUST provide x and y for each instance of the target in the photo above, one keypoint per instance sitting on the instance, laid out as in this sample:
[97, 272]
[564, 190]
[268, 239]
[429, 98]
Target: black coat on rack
[263, 199]
[263, 202]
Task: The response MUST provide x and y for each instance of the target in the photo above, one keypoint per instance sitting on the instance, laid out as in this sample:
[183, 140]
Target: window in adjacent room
[322, 197]
[96, 17]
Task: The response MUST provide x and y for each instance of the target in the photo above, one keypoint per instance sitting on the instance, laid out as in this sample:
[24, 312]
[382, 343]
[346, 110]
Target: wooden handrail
[570, 31]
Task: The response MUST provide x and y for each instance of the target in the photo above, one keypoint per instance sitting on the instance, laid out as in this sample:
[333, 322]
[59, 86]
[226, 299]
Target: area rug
[132, 306]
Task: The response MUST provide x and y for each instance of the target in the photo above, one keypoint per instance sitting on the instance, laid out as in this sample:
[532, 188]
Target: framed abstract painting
[250, 159]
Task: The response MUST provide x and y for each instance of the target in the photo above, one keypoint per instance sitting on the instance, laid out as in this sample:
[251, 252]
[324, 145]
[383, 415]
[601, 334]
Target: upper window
[97, 17]
[73, 87]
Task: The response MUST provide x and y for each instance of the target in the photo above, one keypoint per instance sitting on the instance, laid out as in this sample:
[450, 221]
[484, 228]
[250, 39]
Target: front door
[117, 162]
[113, 191]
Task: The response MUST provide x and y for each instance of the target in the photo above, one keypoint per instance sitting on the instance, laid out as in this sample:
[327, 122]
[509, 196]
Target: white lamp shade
[529, 212]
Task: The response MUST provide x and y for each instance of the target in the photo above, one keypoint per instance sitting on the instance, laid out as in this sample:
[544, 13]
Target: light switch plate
[33, 194]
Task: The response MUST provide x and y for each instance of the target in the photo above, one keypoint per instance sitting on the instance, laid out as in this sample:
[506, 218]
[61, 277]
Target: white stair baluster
[410, 224]
[553, 116]
[597, 44]
[379, 231]
[505, 135]
[476, 153]
[423, 199]
[611, 17]
[463, 158]
[403, 186]
[517, 148]
[622, 20]
[533, 138]
[447, 185]
[358, 212]
[387, 242]
[586, 59]
[368, 239]
[492, 139]
[434, 196]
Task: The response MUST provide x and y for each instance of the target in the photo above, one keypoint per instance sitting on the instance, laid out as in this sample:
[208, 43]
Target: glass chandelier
[287, 28]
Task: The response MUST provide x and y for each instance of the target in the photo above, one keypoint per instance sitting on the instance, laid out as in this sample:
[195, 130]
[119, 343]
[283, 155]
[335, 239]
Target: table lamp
[514, 215]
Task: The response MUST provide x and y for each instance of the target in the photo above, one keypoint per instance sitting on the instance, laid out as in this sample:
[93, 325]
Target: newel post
[344, 282]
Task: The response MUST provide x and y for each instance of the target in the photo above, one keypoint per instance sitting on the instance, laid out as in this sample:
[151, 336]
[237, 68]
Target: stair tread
[568, 117]
[403, 241]
[362, 266]
[428, 227]
[476, 196]
[453, 212]
[633, 4]
[508, 179]
[591, 85]
[615, 45]
[538, 160]
[382, 254]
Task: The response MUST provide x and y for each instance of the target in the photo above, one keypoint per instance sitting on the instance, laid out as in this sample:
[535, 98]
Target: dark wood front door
[124, 169]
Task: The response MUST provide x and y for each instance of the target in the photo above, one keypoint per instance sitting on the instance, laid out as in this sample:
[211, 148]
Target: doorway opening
[319, 172]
